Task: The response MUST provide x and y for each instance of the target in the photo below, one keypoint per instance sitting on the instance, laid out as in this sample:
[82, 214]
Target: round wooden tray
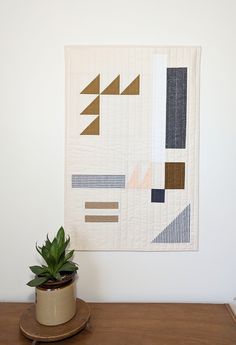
[35, 331]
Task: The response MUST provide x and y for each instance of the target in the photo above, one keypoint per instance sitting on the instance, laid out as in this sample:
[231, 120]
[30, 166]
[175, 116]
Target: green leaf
[37, 270]
[61, 236]
[39, 249]
[37, 281]
[54, 252]
[69, 267]
[48, 243]
[63, 248]
[69, 255]
[47, 256]
[57, 276]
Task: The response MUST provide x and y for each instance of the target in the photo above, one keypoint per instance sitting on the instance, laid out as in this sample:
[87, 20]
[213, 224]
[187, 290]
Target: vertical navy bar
[176, 108]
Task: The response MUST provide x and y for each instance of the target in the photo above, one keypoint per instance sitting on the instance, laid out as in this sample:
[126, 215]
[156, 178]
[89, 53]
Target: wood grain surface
[33, 330]
[137, 324]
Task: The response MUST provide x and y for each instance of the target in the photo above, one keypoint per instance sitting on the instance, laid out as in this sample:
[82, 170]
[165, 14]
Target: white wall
[32, 38]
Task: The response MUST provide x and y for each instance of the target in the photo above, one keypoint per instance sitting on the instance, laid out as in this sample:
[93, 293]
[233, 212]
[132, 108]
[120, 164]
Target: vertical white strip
[159, 108]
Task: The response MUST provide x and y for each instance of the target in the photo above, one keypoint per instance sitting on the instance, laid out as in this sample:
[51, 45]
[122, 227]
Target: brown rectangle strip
[99, 205]
[101, 219]
[174, 175]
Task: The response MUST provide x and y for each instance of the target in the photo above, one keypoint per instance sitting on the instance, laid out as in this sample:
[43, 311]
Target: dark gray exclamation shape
[176, 108]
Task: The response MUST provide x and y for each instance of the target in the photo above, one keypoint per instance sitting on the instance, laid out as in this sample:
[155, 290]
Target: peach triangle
[133, 87]
[92, 108]
[147, 181]
[93, 128]
[134, 179]
[93, 87]
[113, 88]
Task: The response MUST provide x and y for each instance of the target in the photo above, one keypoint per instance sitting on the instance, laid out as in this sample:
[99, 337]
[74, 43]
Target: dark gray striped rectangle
[176, 108]
[98, 181]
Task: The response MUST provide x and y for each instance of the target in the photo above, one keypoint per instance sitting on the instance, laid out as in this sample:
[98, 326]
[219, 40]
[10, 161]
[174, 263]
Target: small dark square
[158, 195]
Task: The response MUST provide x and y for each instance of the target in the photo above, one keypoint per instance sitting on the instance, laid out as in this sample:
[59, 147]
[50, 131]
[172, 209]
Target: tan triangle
[113, 88]
[132, 88]
[92, 108]
[93, 87]
[147, 181]
[93, 128]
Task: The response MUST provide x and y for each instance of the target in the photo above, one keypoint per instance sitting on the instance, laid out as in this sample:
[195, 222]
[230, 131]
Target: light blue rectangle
[159, 107]
[98, 181]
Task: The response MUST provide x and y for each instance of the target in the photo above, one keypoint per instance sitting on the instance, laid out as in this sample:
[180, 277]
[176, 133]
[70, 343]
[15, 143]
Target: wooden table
[138, 324]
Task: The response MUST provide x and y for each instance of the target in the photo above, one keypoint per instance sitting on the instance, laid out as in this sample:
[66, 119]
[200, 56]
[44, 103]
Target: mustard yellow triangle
[93, 128]
[133, 87]
[92, 108]
[93, 87]
[113, 88]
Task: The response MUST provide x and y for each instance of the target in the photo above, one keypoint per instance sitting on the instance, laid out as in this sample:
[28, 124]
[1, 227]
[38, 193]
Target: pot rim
[55, 284]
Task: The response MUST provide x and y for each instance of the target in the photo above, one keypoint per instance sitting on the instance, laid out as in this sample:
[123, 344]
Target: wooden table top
[137, 324]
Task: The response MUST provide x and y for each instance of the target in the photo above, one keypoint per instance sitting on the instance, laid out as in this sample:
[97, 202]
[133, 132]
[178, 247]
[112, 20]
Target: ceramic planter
[55, 302]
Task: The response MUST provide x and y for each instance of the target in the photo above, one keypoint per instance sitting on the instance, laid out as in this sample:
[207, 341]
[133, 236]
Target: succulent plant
[57, 260]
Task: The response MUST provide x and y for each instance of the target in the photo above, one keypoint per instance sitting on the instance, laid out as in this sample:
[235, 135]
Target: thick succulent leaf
[69, 267]
[63, 248]
[37, 270]
[47, 243]
[51, 273]
[48, 240]
[69, 255]
[57, 276]
[50, 260]
[54, 250]
[37, 281]
[46, 274]
[39, 249]
[60, 236]
[45, 252]
[59, 265]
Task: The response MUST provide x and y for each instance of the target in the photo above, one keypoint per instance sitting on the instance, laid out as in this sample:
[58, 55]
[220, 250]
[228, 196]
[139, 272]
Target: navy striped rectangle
[98, 181]
[176, 108]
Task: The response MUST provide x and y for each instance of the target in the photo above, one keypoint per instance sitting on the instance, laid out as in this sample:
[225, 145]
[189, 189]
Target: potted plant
[54, 282]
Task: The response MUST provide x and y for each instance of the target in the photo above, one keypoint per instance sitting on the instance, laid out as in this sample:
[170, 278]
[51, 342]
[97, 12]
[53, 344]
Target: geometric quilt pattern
[132, 138]
[178, 231]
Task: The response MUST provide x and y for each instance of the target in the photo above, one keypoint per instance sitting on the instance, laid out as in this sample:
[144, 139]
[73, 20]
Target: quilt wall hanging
[132, 132]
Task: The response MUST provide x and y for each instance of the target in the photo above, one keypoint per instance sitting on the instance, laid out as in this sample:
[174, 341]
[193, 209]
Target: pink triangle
[134, 179]
[147, 181]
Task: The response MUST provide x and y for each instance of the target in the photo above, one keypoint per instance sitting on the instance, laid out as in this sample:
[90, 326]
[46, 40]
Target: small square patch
[158, 195]
[175, 175]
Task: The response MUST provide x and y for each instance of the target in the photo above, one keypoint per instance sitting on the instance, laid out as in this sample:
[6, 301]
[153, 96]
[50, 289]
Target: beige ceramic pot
[56, 303]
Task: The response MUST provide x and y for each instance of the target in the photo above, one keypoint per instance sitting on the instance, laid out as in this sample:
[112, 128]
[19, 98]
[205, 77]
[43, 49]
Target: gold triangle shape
[133, 87]
[93, 128]
[113, 88]
[93, 87]
[92, 108]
